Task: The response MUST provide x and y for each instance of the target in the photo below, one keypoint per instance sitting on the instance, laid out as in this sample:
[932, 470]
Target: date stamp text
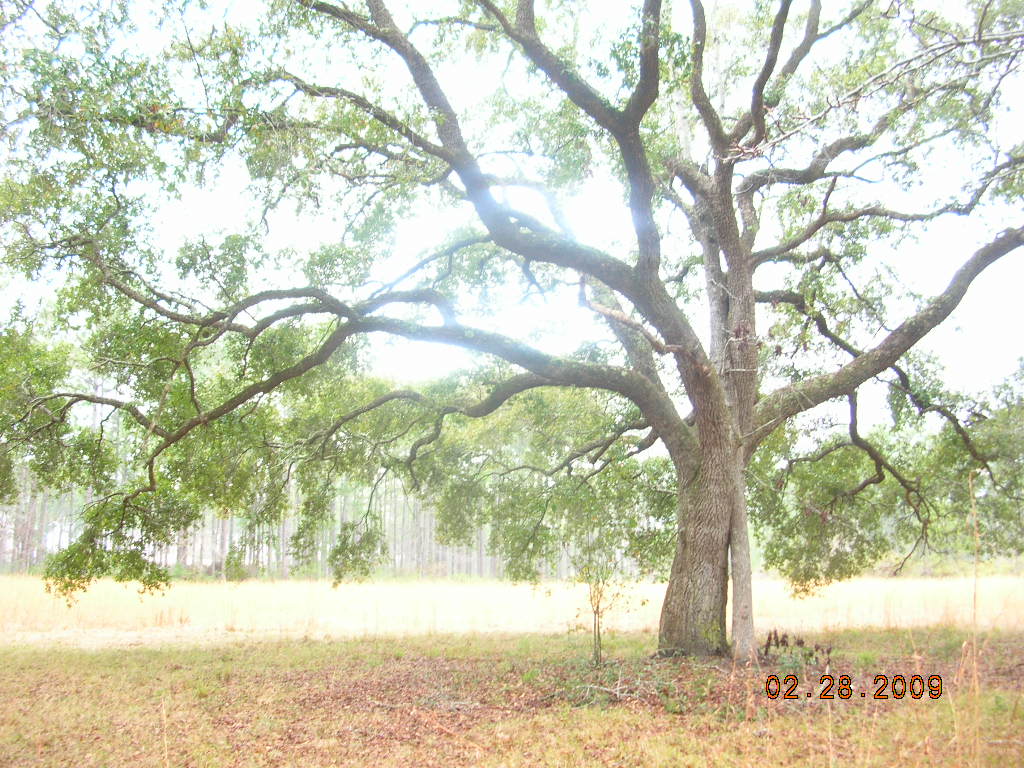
[842, 687]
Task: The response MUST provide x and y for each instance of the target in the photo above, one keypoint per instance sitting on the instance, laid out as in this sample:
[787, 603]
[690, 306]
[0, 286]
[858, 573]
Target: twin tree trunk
[712, 520]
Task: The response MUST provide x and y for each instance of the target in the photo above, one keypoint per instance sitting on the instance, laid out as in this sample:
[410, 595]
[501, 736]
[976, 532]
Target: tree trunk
[712, 525]
[181, 549]
[743, 646]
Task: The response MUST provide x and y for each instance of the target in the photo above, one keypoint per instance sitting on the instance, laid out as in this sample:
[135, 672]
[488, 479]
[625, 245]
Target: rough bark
[693, 616]
[743, 645]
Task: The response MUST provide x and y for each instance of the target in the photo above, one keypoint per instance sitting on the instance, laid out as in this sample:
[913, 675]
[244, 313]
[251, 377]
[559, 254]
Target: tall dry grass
[194, 612]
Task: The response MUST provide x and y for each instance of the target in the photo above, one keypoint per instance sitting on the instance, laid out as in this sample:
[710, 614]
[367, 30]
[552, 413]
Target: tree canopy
[836, 507]
[721, 197]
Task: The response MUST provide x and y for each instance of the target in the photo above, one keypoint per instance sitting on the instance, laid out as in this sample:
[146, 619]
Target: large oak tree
[774, 164]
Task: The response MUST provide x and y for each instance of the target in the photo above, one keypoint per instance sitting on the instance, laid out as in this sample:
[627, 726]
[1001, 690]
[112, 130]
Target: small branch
[82, 397]
[622, 318]
[382, 116]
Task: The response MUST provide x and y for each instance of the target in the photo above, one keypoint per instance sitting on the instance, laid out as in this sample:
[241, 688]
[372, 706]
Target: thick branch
[656, 407]
[811, 36]
[757, 97]
[801, 396]
[416, 296]
[633, 340]
[819, 163]
[562, 370]
[322, 354]
[623, 125]
[524, 32]
[922, 404]
[708, 115]
[827, 217]
[646, 91]
[619, 319]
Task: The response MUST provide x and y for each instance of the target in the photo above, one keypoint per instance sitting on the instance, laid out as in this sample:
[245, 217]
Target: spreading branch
[795, 398]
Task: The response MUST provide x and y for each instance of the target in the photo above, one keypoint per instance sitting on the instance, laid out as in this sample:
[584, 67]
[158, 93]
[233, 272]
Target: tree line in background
[40, 522]
[398, 532]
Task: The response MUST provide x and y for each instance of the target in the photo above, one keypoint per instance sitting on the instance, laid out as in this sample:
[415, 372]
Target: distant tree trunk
[417, 517]
[403, 534]
[28, 531]
[324, 552]
[6, 543]
[480, 552]
[62, 518]
[284, 533]
[227, 525]
[198, 552]
[396, 531]
[435, 555]
[181, 549]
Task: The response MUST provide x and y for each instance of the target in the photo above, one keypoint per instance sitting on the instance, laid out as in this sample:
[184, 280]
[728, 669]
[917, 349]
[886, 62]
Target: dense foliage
[828, 512]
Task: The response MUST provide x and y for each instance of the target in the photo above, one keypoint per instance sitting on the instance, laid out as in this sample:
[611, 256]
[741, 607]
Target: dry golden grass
[191, 612]
[498, 700]
[472, 681]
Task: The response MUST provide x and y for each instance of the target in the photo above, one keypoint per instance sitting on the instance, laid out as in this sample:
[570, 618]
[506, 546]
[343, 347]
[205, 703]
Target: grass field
[215, 611]
[215, 675]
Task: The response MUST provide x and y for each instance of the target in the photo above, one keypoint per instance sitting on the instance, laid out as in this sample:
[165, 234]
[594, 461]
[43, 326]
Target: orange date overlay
[884, 687]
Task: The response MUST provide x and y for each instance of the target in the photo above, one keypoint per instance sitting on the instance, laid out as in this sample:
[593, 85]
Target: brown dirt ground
[421, 710]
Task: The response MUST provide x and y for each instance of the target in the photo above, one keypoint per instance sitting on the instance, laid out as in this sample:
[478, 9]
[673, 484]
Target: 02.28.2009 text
[898, 685]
